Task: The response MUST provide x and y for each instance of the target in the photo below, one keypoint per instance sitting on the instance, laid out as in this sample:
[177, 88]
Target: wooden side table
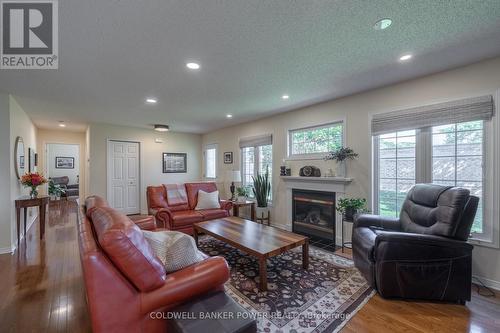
[238, 204]
[24, 202]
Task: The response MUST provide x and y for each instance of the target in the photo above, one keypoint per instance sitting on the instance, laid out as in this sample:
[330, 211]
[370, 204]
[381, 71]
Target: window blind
[468, 109]
[260, 140]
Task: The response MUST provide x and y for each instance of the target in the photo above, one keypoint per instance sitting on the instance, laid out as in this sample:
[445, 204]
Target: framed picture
[228, 157]
[174, 162]
[65, 162]
[32, 160]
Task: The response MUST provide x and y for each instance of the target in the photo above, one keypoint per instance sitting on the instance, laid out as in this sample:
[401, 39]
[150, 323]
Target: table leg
[263, 274]
[236, 210]
[305, 255]
[252, 212]
[25, 217]
[195, 236]
[18, 221]
[42, 209]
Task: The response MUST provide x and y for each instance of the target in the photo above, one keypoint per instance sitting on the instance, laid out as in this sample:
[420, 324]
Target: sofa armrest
[226, 205]
[377, 221]
[163, 217]
[393, 246]
[185, 284]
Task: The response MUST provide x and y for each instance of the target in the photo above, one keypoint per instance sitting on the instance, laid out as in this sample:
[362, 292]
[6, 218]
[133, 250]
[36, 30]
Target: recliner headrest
[427, 194]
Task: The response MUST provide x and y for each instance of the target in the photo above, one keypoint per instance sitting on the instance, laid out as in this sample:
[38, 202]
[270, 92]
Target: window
[457, 160]
[255, 160]
[447, 155]
[396, 165]
[211, 161]
[315, 141]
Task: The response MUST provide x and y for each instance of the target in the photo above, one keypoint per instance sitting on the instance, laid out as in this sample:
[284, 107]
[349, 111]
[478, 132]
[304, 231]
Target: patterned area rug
[321, 299]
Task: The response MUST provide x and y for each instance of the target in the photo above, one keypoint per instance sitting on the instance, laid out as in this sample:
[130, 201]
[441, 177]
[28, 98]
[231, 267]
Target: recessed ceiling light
[62, 124]
[405, 57]
[151, 100]
[193, 65]
[382, 24]
[229, 116]
[161, 128]
[285, 97]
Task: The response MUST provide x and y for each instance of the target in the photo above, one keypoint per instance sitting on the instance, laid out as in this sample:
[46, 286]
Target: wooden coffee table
[255, 239]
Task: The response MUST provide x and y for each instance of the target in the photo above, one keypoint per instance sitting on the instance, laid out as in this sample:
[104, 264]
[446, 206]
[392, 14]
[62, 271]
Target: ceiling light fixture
[62, 124]
[229, 116]
[161, 128]
[405, 57]
[285, 97]
[151, 100]
[193, 65]
[382, 24]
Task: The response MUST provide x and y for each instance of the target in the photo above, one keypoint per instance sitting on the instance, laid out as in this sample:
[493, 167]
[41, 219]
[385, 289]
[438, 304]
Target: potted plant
[340, 156]
[55, 190]
[242, 192]
[261, 190]
[33, 180]
[349, 207]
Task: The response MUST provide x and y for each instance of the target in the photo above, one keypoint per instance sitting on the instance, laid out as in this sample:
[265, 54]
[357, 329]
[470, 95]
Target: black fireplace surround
[313, 213]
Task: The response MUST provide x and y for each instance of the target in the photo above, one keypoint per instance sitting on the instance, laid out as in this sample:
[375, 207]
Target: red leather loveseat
[179, 214]
[127, 287]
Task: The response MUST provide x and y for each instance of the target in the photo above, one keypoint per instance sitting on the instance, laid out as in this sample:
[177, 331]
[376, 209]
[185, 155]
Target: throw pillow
[176, 250]
[207, 200]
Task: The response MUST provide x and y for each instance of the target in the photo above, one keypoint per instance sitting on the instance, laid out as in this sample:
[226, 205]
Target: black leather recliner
[423, 254]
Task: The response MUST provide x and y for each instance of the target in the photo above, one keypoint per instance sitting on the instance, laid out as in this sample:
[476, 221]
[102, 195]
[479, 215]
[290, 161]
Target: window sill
[483, 243]
[305, 158]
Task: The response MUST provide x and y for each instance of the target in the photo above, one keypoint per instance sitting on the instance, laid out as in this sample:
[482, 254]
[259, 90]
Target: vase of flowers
[33, 180]
[340, 156]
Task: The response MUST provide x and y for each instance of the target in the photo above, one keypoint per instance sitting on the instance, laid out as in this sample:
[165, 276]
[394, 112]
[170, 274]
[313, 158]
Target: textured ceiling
[113, 54]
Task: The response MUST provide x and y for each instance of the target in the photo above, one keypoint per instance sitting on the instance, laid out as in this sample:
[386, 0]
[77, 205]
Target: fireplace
[313, 213]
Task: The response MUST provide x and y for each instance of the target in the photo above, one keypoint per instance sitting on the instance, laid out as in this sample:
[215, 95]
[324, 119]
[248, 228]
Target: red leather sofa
[126, 284]
[182, 216]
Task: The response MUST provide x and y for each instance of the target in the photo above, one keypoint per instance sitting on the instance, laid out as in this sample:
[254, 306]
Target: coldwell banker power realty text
[29, 38]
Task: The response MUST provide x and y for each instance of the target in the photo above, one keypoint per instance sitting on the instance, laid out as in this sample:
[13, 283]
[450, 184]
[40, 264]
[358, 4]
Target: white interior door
[123, 176]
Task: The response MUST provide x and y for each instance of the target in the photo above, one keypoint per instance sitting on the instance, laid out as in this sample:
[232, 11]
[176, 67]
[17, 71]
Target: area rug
[321, 299]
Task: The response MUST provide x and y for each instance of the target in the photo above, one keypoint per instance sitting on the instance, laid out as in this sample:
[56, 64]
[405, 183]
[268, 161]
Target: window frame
[207, 147]
[256, 166]
[423, 174]
[313, 156]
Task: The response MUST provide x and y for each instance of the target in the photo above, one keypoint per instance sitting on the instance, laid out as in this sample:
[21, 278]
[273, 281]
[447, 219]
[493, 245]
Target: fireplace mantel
[317, 179]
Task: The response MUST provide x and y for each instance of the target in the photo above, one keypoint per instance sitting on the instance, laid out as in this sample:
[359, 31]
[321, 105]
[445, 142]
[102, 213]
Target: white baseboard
[487, 282]
[4, 250]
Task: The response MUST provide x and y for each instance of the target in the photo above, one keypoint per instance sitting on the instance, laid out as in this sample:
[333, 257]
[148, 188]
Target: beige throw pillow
[176, 250]
[207, 200]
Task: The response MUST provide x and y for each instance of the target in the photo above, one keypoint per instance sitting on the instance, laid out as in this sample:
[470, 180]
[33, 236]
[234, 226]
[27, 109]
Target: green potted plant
[261, 190]
[340, 156]
[55, 190]
[242, 192]
[349, 207]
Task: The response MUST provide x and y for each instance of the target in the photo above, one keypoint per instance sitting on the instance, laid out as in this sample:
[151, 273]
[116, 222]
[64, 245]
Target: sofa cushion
[210, 214]
[176, 197]
[127, 248]
[94, 201]
[176, 250]
[207, 200]
[157, 197]
[186, 218]
[193, 188]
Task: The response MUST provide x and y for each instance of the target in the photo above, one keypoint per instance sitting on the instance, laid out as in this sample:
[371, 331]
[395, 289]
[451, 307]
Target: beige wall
[151, 156]
[61, 136]
[477, 79]
[20, 125]
[5, 162]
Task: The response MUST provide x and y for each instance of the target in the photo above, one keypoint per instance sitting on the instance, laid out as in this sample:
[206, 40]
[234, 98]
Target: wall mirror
[20, 158]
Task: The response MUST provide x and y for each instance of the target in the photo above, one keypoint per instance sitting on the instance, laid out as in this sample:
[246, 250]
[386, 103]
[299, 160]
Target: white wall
[5, 162]
[20, 125]
[151, 156]
[473, 80]
[63, 150]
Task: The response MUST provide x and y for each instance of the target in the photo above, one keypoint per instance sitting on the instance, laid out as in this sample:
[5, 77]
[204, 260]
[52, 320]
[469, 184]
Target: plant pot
[262, 212]
[52, 197]
[242, 199]
[341, 169]
[349, 214]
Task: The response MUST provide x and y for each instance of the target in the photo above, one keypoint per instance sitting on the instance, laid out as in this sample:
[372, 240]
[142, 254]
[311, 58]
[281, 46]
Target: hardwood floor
[41, 290]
